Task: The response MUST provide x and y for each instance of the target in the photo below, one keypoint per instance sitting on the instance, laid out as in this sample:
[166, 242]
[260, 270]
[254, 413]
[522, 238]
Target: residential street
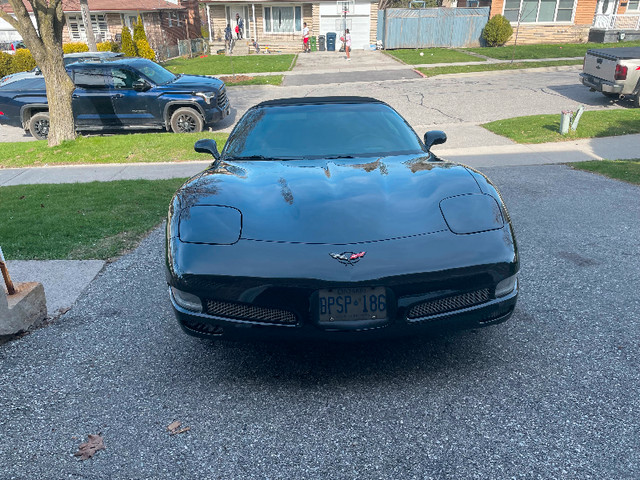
[550, 394]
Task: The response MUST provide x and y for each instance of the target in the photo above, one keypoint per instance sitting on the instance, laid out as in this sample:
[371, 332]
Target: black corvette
[329, 218]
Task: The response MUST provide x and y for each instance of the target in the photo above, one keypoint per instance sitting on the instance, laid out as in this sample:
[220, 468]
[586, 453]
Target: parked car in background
[117, 94]
[615, 72]
[69, 58]
[11, 47]
[351, 229]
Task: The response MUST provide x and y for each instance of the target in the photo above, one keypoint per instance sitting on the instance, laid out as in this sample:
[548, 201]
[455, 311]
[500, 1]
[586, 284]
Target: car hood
[197, 82]
[332, 201]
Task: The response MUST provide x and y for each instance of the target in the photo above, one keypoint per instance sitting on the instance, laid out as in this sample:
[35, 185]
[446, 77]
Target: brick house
[165, 21]
[279, 24]
[548, 21]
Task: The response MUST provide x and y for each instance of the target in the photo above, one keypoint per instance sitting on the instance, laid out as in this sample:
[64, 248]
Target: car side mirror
[434, 137]
[37, 71]
[207, 145]
[141, 86]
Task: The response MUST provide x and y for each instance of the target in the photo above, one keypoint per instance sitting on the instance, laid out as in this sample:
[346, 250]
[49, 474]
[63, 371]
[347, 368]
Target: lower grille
[251, 313]
[448, 304]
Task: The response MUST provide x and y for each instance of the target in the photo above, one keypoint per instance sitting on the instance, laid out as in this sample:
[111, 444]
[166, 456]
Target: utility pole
[88, 26]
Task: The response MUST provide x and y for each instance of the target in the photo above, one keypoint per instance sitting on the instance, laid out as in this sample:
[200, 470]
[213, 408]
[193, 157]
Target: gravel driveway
[553, 393]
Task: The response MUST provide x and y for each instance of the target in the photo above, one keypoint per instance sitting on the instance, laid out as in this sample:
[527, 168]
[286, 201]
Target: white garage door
[358, 22]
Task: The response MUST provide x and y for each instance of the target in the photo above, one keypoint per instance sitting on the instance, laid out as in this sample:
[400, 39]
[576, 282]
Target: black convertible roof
[317, 101]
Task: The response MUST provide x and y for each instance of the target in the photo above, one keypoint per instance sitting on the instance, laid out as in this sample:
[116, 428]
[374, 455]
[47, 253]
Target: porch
[611, 28]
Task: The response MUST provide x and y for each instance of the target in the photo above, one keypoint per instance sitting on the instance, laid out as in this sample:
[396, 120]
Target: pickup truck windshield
[321, 131]
[156, 73]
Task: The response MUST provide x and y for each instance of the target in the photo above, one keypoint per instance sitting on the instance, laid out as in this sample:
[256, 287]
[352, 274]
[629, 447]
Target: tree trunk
[45, 44]
[59, 91]
[88, 26]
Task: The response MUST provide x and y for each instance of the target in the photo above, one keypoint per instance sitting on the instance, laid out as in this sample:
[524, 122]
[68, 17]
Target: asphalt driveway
[553, 393]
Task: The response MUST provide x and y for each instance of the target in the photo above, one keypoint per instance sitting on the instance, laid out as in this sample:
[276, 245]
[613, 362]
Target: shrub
[5, 64]
[145, 50]
[204, 32]
[138, 31]
[497, 31]
[108, 47]
[75, 47]
[22, 61]
[127, 47]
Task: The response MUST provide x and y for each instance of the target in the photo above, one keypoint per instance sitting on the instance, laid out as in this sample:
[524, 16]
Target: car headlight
[472, 213]
[188, 301]
[506, 286]
[207, 96]
[210, 224]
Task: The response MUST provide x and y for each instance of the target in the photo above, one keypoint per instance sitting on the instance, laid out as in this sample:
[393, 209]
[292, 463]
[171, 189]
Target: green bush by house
[108, 47]
[75, 47]
[145, 50]
[5, 64]
[22, 61]
[497, 31]
[127, 47]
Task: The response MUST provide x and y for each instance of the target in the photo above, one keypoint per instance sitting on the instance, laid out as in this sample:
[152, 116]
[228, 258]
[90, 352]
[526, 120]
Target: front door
[245, 13]
[133, 108]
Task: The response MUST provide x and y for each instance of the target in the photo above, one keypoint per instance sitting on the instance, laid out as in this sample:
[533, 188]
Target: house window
[539, 11]
[76, 27]
[633, 5]
[175, 19]
[283, 19]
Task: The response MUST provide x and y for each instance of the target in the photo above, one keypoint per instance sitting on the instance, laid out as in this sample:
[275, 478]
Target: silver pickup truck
[613, 71]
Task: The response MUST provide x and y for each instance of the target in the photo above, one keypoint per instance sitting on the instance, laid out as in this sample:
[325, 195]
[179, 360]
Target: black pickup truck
[125, 93]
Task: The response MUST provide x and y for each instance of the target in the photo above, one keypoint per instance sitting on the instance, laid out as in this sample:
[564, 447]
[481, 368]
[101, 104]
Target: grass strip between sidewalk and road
[80, 221]
[432, 55]
[229, 65]
[545, 128]
[625, 170]
[489, 67]
[257, 80]
[562, 50]
[132, 148]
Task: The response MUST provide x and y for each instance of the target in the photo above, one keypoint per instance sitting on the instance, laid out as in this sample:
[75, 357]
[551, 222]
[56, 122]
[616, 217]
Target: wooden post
[5, 274]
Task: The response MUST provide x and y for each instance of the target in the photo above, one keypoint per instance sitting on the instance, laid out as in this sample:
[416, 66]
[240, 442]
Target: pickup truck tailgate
[600, 64]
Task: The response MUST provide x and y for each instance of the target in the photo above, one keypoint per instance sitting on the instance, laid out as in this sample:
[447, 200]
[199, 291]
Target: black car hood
[197, 82]
[332, 201]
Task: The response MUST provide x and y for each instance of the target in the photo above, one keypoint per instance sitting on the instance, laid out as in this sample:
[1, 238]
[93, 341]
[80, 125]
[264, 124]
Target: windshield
[155, 72]
[321, 131]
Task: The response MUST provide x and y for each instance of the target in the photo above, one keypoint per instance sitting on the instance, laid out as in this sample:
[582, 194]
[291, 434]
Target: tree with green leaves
[138, 31]
[128, 47]
[44, 40]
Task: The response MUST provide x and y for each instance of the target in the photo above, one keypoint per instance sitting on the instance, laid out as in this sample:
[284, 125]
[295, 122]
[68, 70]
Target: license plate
[352, 304]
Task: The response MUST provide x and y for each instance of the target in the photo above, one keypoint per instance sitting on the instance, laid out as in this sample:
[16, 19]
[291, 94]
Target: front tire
[186, 120]
[39, 126]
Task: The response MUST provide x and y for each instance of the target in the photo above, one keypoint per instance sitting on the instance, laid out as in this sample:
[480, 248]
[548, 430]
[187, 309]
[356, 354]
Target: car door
[91, 100]
[132, 107]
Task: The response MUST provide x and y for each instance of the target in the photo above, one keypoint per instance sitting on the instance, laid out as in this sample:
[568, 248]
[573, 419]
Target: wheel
[186, 120]
[39, 126]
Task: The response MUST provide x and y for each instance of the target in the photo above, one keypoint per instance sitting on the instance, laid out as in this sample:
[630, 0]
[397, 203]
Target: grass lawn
[545, 51]
[228, 65]
[431, 55]
[626, 170]
[258, 80]
[545, 128]
[140, 147]
[486, 67]
[97, 220]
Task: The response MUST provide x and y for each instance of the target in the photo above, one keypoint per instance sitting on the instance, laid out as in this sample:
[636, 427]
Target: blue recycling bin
[331, 41]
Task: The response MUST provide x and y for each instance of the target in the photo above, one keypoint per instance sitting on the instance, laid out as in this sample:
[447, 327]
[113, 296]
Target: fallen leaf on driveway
[88, 450]
[174, 428]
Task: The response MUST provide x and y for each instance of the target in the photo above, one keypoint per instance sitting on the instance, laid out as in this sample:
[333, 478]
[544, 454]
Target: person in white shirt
[347, 43]
[305, 39]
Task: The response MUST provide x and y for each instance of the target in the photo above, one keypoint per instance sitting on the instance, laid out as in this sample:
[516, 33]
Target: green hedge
[75, 47]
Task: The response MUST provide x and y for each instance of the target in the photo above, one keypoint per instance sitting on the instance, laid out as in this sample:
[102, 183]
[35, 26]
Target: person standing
[305, 39]
[347, 43]
[228, 38]
[240, 25]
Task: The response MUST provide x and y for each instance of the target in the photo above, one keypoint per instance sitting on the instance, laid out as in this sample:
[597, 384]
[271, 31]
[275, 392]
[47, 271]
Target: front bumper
[308, 327]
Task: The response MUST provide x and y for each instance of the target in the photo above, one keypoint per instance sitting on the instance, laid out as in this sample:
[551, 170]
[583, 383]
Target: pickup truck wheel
[39, 126]
[186, 120]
